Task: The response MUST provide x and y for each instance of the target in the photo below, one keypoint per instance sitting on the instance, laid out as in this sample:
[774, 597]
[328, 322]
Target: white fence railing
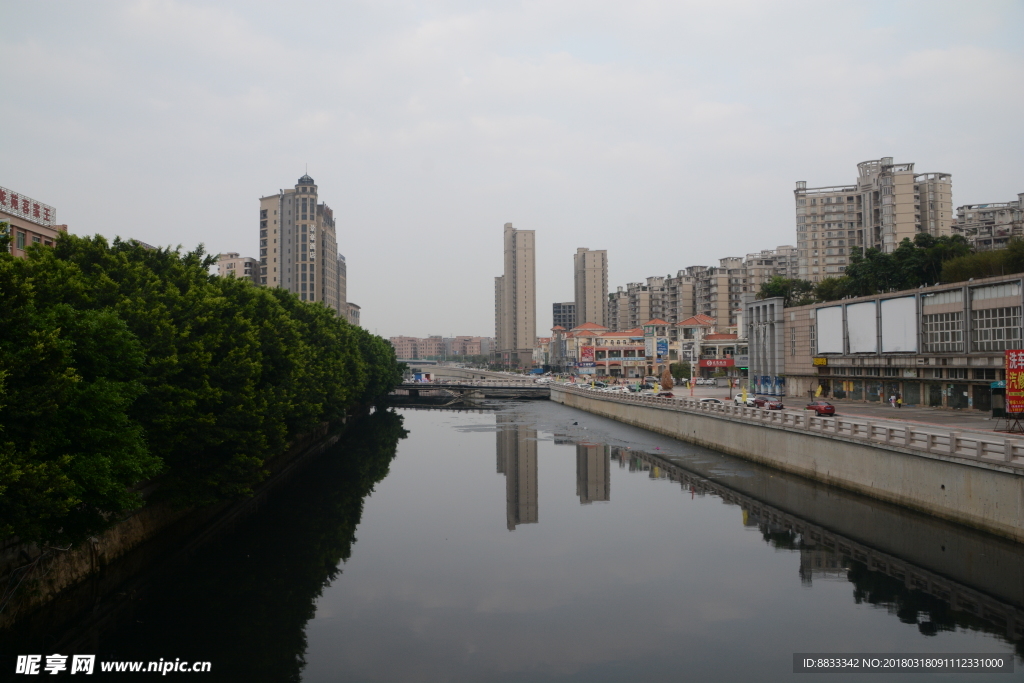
[998, 449]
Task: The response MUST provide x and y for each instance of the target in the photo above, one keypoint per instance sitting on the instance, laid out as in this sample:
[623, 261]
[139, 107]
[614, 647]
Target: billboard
[899, 325]
[1015, 381]
[717, 362]
[649, 347]
[17, 204]
[586, 354]
[862, 327]
[663, 347]
[829, 328]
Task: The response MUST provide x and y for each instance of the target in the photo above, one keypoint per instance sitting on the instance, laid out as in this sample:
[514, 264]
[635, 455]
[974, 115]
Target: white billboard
[829, 328]
[862, 327]
[899, 325]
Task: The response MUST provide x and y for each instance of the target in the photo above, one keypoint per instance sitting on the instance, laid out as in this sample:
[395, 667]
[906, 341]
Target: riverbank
[64, 582]
[971, 479]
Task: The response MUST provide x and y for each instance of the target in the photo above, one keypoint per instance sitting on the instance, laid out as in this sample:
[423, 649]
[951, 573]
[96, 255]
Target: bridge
[475, 388]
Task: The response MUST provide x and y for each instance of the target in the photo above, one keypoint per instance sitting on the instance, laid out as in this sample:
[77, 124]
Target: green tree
[796, 292]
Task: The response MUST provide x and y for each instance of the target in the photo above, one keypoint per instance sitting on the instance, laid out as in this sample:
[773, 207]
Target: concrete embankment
[959, 477]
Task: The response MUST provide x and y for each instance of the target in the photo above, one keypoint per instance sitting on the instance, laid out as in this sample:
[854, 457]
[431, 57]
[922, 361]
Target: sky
[669, 133]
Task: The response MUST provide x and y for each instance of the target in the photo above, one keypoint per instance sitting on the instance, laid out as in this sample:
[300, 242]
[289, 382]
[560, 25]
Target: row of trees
[926, 260]
[119, 364]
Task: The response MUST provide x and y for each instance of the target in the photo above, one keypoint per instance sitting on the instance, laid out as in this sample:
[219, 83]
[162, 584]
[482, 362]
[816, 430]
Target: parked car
[716, 401]
[768, 403]
[666, 394]
[821, 408]
[738, 400]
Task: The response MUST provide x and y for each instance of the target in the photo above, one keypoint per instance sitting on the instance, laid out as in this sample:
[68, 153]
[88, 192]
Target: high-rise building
[990, 226]
[889, 202]
[590, 277]
[564, 314]
[245, 267]
[515, 300]
[299, 246]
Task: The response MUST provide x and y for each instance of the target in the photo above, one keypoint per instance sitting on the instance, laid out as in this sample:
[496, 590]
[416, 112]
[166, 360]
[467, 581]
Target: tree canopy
[120, 363]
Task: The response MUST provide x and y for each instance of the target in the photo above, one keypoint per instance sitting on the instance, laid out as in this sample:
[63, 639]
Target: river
[528, 541]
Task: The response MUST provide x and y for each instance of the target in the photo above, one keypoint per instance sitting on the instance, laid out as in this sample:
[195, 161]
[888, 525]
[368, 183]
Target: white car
[716, 401]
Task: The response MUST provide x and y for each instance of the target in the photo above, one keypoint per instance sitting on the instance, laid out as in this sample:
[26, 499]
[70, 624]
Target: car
[543, 380]
[715, 401]
[738, 400]
[768, 403]
[666, 394]
[821, 408]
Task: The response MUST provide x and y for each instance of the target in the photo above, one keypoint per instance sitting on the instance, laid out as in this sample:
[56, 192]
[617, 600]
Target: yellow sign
[821, 361]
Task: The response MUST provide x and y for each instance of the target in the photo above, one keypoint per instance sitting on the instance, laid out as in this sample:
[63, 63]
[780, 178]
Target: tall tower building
[515, 300]
[889, 202]
[299, 246]
[590, 276]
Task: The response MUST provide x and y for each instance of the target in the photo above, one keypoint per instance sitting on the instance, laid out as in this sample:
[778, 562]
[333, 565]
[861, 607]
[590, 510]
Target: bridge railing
[982, 447]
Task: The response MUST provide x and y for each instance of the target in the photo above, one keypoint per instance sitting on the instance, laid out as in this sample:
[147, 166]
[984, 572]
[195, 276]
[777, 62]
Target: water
[540, 543]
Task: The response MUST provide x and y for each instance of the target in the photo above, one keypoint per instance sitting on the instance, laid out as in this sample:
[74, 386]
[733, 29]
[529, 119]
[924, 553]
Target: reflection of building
[822, 563]
[593, 465]
[517, 460]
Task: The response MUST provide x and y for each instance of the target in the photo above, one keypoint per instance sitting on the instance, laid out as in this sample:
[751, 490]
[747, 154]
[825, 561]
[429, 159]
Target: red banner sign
[586, 354]
[1015, 381]
[717, 363]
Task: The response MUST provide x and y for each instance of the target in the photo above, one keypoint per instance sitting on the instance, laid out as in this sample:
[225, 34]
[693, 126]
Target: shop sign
[821, 361]
[19, 205]
[717, 363]
[1015, 381]
[586, 364]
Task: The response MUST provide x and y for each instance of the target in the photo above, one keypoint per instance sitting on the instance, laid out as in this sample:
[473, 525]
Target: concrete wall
[984, 498]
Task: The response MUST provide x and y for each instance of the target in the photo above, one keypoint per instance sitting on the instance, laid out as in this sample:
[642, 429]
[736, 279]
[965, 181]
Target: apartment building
[990, 226]
[564, 315]
[935, 346]
[246, 267]
[887, 203]
[515, 300]
[715, 292]
[30, 221]
[590, 278]
[298, 245]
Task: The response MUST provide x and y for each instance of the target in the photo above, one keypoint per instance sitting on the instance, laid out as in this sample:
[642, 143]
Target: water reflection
[244, 599]
[593, 476]
[517, 460]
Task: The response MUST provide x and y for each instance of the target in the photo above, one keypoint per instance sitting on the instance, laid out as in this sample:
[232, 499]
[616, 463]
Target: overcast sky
[668, 133]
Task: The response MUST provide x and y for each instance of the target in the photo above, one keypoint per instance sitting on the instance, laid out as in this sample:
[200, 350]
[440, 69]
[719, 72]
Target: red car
[768, 403]
[822, 408]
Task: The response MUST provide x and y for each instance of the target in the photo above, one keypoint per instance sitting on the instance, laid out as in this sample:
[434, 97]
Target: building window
[943, 332]
[20, 240]
[957, 373]
[996, 329]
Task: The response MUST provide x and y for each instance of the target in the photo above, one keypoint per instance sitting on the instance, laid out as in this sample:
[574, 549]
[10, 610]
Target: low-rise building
[30, 221]
[935, 346]
[230, 263]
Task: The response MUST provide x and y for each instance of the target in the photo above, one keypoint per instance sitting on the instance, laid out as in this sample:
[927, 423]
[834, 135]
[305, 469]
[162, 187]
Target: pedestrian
[892, 400]
[899, 400]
